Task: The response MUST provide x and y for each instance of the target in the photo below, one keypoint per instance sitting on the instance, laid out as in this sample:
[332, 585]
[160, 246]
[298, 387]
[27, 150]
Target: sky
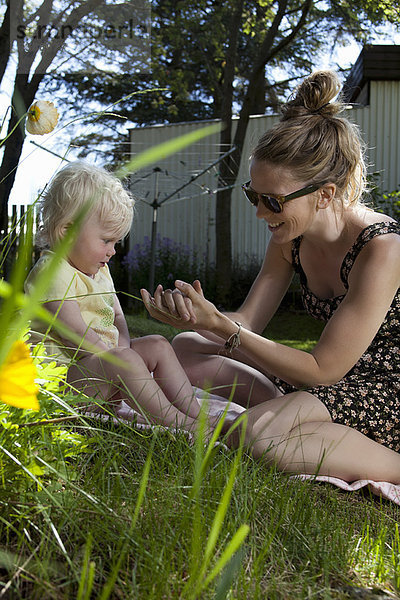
[37, 165]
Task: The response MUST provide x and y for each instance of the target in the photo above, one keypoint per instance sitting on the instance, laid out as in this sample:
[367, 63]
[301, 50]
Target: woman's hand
[185, 307]
[176, 302]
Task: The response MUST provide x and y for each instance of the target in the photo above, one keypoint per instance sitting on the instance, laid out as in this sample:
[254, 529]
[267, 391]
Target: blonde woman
[334, 410]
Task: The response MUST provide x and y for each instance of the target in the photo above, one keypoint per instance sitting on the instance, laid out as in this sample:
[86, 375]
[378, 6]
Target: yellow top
[95, 297]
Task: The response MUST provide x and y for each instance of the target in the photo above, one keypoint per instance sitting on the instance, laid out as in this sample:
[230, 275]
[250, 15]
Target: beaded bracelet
[234, 340]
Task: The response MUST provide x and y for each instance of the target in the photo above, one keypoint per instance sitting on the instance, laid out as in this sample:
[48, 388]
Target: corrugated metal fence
[189, 217]
[10, 239]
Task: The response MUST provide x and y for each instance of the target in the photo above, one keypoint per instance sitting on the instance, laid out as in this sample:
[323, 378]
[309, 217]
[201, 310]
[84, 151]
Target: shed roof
[375, 63]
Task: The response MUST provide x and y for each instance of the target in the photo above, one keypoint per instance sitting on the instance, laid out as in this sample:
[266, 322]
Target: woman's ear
[325, 195]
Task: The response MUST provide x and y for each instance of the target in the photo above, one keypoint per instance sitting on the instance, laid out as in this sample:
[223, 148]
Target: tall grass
[103, 510]
[97, 510]
[132, 517]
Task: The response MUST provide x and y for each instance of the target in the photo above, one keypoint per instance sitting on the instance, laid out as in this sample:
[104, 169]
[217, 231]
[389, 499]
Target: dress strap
[363, 238]
[296, 264]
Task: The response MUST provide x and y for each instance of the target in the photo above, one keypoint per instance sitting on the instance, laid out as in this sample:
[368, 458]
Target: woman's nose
[261, 210]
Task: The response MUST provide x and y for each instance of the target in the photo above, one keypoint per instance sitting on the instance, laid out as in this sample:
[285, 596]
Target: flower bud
[42, 117]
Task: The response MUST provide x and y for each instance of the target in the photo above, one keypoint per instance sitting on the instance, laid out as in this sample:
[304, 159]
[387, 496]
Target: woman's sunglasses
[275, 203]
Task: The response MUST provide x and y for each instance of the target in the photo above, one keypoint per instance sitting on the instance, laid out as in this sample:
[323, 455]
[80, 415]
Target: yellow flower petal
[42, 117]
[17, 378]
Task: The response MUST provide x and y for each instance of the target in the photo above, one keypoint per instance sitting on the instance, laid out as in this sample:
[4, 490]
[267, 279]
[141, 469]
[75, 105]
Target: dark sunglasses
[275, 203]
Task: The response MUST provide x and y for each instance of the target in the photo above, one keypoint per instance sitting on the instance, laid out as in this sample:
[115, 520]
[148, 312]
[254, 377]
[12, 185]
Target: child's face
[93, 248]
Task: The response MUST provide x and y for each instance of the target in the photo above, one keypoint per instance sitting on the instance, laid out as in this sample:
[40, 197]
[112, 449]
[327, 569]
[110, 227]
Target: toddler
[83, 297]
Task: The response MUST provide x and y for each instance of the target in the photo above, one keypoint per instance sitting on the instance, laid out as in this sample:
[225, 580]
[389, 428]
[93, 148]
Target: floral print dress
[368, 396]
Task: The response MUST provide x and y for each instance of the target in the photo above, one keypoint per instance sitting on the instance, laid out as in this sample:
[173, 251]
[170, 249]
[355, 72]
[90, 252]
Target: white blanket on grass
[217, 405]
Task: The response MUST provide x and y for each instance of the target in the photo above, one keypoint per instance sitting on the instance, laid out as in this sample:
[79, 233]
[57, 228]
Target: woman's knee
[270, 422]
[184, 342]
[190, 346]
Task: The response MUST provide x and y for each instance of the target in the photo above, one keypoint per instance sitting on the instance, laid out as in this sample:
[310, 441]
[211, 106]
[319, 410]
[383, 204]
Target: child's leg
[161, 360]
[98, 377]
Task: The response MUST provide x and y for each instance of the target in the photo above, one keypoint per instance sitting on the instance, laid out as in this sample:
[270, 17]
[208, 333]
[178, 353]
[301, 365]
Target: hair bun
[313, 97]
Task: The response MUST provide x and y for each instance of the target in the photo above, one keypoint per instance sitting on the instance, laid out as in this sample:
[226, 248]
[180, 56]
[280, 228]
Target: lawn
[91, 510]
[293, 328]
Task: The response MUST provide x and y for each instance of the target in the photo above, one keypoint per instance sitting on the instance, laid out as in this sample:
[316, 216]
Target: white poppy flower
[42, 117]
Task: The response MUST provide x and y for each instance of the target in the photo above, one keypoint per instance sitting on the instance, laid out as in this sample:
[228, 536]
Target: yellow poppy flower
[17, 378]
[42, 117]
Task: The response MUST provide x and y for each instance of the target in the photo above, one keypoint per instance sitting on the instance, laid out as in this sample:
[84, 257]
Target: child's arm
[70, 314]
[121, 324]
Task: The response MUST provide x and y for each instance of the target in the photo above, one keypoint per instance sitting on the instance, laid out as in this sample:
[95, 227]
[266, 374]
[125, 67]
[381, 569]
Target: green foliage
[389, 204]
[385, 202]
[31, 451]
[124, 525]
[190, 55]
[104, 510]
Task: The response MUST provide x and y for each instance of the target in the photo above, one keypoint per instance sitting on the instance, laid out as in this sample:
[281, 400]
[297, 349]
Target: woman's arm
[261, 303]
[373, 282]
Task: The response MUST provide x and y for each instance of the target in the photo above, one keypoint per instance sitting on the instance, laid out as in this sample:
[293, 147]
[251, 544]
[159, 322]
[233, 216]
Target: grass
[110, 511]
[287, 327]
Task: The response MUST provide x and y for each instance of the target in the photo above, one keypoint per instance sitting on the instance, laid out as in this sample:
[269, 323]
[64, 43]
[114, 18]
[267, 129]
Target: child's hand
[176, 303]
[158, 308]
[184, 307]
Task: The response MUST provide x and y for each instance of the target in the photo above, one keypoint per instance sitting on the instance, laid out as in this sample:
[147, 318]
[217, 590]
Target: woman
[335, 410]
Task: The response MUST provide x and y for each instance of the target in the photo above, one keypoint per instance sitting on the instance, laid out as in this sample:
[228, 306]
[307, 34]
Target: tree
[40, 35]
[211, 56]
[214, 58]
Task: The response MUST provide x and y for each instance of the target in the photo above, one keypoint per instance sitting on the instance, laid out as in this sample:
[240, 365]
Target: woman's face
[297, 215]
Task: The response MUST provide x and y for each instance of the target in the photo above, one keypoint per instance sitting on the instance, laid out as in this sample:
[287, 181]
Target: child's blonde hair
[316, 144]
[71, 188]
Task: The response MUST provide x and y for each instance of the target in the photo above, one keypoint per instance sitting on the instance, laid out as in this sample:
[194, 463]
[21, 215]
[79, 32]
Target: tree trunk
[230, 168]
[22, 98]
[25, 90]
[5, 40]
[224, 197]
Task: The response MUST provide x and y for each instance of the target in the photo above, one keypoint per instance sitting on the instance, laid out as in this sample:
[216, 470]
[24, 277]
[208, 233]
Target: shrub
[387, 203]
[172, 260]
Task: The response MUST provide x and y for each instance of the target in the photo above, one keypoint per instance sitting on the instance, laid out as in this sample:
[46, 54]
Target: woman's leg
[98, 377]
[296, 432]
[207, 369]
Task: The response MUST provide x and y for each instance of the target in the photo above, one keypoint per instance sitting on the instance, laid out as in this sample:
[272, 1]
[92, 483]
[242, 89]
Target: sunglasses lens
[272, 204]
[251, 196]
[269, 202]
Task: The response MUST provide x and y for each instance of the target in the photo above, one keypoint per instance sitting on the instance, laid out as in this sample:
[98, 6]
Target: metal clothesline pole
[156, 205]
[194, 177]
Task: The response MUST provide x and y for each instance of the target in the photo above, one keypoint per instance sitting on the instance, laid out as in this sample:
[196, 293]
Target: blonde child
[83, 297]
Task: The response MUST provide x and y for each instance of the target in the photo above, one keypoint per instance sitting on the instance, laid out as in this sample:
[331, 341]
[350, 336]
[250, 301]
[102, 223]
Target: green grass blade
[228, 553]
[87, 574]
[11, 331]
[221, 512]
[109, 586]
[196, 582]
[228, 575]
[20, 267]
[165, 149]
